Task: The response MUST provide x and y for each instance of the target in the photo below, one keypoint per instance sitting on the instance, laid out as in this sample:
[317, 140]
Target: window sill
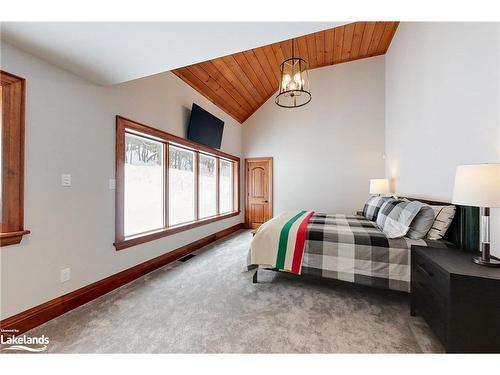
[12, 238]
[147, 237]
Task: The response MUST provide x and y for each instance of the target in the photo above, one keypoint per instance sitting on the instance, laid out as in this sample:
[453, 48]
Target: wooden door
[258, 191]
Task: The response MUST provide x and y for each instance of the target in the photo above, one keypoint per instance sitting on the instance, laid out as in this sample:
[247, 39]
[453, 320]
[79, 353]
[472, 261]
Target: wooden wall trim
[12, 111]
[40, 314]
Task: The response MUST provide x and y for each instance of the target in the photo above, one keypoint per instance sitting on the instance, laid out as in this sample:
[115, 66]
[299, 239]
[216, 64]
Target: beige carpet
[208, 304]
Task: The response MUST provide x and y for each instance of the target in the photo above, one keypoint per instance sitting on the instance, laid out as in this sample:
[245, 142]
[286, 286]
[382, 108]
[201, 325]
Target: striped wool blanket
[279, 243]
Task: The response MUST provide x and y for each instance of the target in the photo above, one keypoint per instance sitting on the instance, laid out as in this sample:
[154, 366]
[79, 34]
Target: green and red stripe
[299, 244]
[299, 241]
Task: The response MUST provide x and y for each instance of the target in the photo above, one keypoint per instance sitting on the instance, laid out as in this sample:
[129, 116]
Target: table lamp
[479, 185]
[379, 186]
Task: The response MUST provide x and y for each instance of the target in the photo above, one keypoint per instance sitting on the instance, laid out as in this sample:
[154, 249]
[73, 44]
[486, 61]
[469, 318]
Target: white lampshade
[379, 186]
[477, 185]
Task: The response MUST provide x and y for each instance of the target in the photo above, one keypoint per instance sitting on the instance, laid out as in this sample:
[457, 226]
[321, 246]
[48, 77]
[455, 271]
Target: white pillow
[444, 217]
[422, 223]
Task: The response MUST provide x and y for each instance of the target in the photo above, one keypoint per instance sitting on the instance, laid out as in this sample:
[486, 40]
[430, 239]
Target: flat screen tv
[205, 128]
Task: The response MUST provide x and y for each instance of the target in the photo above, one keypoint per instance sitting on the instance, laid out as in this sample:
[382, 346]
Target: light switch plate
[65, 180]
[112, 184]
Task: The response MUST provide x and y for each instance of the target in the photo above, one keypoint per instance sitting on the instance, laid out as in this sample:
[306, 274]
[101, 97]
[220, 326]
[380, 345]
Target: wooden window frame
[123, 126]
[13, 103]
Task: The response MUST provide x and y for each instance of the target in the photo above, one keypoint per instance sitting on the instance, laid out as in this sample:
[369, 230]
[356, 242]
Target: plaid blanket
[352, 248]
[342, 247]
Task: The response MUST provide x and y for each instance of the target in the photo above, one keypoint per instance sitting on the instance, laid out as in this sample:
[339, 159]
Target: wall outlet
[112, 184]
[65, 275]
[66, 180]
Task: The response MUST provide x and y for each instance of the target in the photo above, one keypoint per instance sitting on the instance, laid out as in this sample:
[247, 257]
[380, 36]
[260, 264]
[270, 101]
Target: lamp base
[487, 263]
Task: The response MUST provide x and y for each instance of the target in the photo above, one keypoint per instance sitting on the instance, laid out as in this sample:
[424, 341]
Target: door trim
[271, 183]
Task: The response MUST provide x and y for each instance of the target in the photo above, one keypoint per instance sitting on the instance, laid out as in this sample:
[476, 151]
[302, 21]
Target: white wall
[325, 152]
[70, 128]
[442, 106]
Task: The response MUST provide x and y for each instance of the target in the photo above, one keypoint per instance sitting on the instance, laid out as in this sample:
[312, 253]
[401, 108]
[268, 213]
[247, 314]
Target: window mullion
[166, 185]
[235, 166]
[217, 189]
[196, 170]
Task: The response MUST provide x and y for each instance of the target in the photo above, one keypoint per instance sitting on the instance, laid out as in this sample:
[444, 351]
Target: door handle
[266, 201]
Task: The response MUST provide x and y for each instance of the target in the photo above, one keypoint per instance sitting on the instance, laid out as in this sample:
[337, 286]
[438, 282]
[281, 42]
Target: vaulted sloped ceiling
[240, 83]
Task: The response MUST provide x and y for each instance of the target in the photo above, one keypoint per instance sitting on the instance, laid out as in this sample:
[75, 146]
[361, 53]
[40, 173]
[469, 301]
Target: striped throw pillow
[444, 217]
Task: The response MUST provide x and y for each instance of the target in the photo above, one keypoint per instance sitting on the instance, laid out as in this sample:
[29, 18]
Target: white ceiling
[114, 52]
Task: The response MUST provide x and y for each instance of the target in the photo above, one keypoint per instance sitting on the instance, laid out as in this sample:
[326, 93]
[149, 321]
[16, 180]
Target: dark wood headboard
[464, 229]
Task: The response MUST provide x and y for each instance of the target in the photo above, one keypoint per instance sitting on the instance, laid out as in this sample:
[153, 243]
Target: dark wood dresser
[459, 300]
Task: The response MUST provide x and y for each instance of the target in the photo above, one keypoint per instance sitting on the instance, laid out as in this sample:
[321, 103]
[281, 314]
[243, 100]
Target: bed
[348, 248]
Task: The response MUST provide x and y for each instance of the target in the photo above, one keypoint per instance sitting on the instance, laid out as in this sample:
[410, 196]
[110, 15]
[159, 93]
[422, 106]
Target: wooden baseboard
[40, 314]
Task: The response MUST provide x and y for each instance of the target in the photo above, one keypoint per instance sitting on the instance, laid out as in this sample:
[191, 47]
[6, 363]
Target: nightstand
[459, 300]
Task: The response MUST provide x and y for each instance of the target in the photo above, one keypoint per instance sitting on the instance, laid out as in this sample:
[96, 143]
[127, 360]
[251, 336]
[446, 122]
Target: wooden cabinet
[459, 300]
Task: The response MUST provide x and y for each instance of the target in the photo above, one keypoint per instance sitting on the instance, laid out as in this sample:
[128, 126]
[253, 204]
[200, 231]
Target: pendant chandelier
[294, 85]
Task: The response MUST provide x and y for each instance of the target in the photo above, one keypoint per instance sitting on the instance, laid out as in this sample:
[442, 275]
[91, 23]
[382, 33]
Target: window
[208, 186]
[199, 186]
[226, 190]
[11, 159]
[144, 187]
[181, 186]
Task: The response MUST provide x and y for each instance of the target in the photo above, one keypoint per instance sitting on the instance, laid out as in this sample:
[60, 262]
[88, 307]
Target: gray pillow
[395, 217]
[422, 223]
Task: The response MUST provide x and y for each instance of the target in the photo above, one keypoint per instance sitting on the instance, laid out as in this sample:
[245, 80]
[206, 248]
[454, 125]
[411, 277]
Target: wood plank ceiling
[240, 83]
